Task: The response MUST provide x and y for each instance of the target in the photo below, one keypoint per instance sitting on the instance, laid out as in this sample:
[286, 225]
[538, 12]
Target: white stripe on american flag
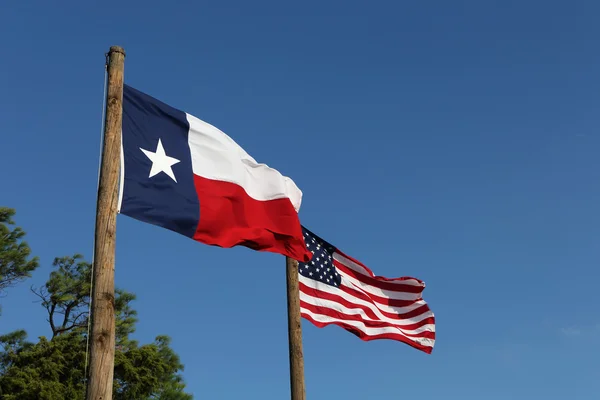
[371, 306]
[357, 309]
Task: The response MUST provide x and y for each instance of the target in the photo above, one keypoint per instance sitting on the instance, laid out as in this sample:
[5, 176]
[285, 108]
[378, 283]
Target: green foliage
[66, 298]
[54, 369]
[126, 317]
[47, 370]
[148, 372]
[66, 294]
[15, 262]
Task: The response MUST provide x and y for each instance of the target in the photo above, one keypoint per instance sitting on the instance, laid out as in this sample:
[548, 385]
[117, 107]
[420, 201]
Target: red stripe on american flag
[378, 282]
[379, 299]
[371, 307]
[427, 349]
[371, 324]
[339, 299]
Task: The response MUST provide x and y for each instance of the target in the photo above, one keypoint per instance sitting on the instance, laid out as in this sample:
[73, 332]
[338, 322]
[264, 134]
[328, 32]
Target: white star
[161, 162]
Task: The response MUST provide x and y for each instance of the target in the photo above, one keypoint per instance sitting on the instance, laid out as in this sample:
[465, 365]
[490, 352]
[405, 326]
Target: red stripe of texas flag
[227, 214]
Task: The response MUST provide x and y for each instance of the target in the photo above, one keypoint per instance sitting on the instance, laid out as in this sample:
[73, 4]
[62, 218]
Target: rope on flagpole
[87, 341]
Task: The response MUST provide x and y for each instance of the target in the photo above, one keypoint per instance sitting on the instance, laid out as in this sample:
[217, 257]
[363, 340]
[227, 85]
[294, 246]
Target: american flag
[337, 289]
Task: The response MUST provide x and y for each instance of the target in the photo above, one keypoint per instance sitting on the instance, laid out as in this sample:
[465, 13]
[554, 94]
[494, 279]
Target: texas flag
[185, 175]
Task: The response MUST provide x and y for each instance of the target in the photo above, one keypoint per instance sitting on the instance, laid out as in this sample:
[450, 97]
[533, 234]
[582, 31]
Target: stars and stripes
[337, 289]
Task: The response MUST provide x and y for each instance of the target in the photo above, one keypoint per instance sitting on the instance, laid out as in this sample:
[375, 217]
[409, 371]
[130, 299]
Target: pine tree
[15, 262]
[54, 369]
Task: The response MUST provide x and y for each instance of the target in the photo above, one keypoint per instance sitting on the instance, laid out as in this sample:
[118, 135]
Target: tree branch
[68, 309]
[51, 318]
[73, 325]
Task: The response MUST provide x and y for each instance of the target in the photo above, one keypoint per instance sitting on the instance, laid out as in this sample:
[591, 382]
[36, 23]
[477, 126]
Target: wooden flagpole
[102, 339]
[298, 391]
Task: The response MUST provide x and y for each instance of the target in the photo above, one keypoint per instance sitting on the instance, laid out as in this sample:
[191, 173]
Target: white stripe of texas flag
[217, 156]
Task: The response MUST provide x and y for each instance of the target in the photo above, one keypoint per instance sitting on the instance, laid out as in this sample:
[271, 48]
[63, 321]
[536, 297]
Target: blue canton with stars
[320, 267]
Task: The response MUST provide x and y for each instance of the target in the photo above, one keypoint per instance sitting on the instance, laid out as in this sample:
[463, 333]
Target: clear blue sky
[456, 142]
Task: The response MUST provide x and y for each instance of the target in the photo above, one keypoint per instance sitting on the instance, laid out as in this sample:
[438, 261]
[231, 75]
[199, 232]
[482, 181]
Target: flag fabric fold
[183, 174]
[337, 289]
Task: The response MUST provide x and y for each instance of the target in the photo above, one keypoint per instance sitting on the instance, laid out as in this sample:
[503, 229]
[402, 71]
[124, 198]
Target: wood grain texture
[102, 339]
[298, 391]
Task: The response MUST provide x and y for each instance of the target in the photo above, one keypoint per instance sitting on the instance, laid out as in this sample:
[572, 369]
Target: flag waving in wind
[337, 289]
[185, 175]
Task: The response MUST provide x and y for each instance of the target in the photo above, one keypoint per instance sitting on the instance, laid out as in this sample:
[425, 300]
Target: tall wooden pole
[298, 391]
[102, 339]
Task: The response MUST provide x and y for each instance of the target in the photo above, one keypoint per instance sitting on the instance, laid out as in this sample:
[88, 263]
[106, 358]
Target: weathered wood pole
[102, 339]
[298, 391]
